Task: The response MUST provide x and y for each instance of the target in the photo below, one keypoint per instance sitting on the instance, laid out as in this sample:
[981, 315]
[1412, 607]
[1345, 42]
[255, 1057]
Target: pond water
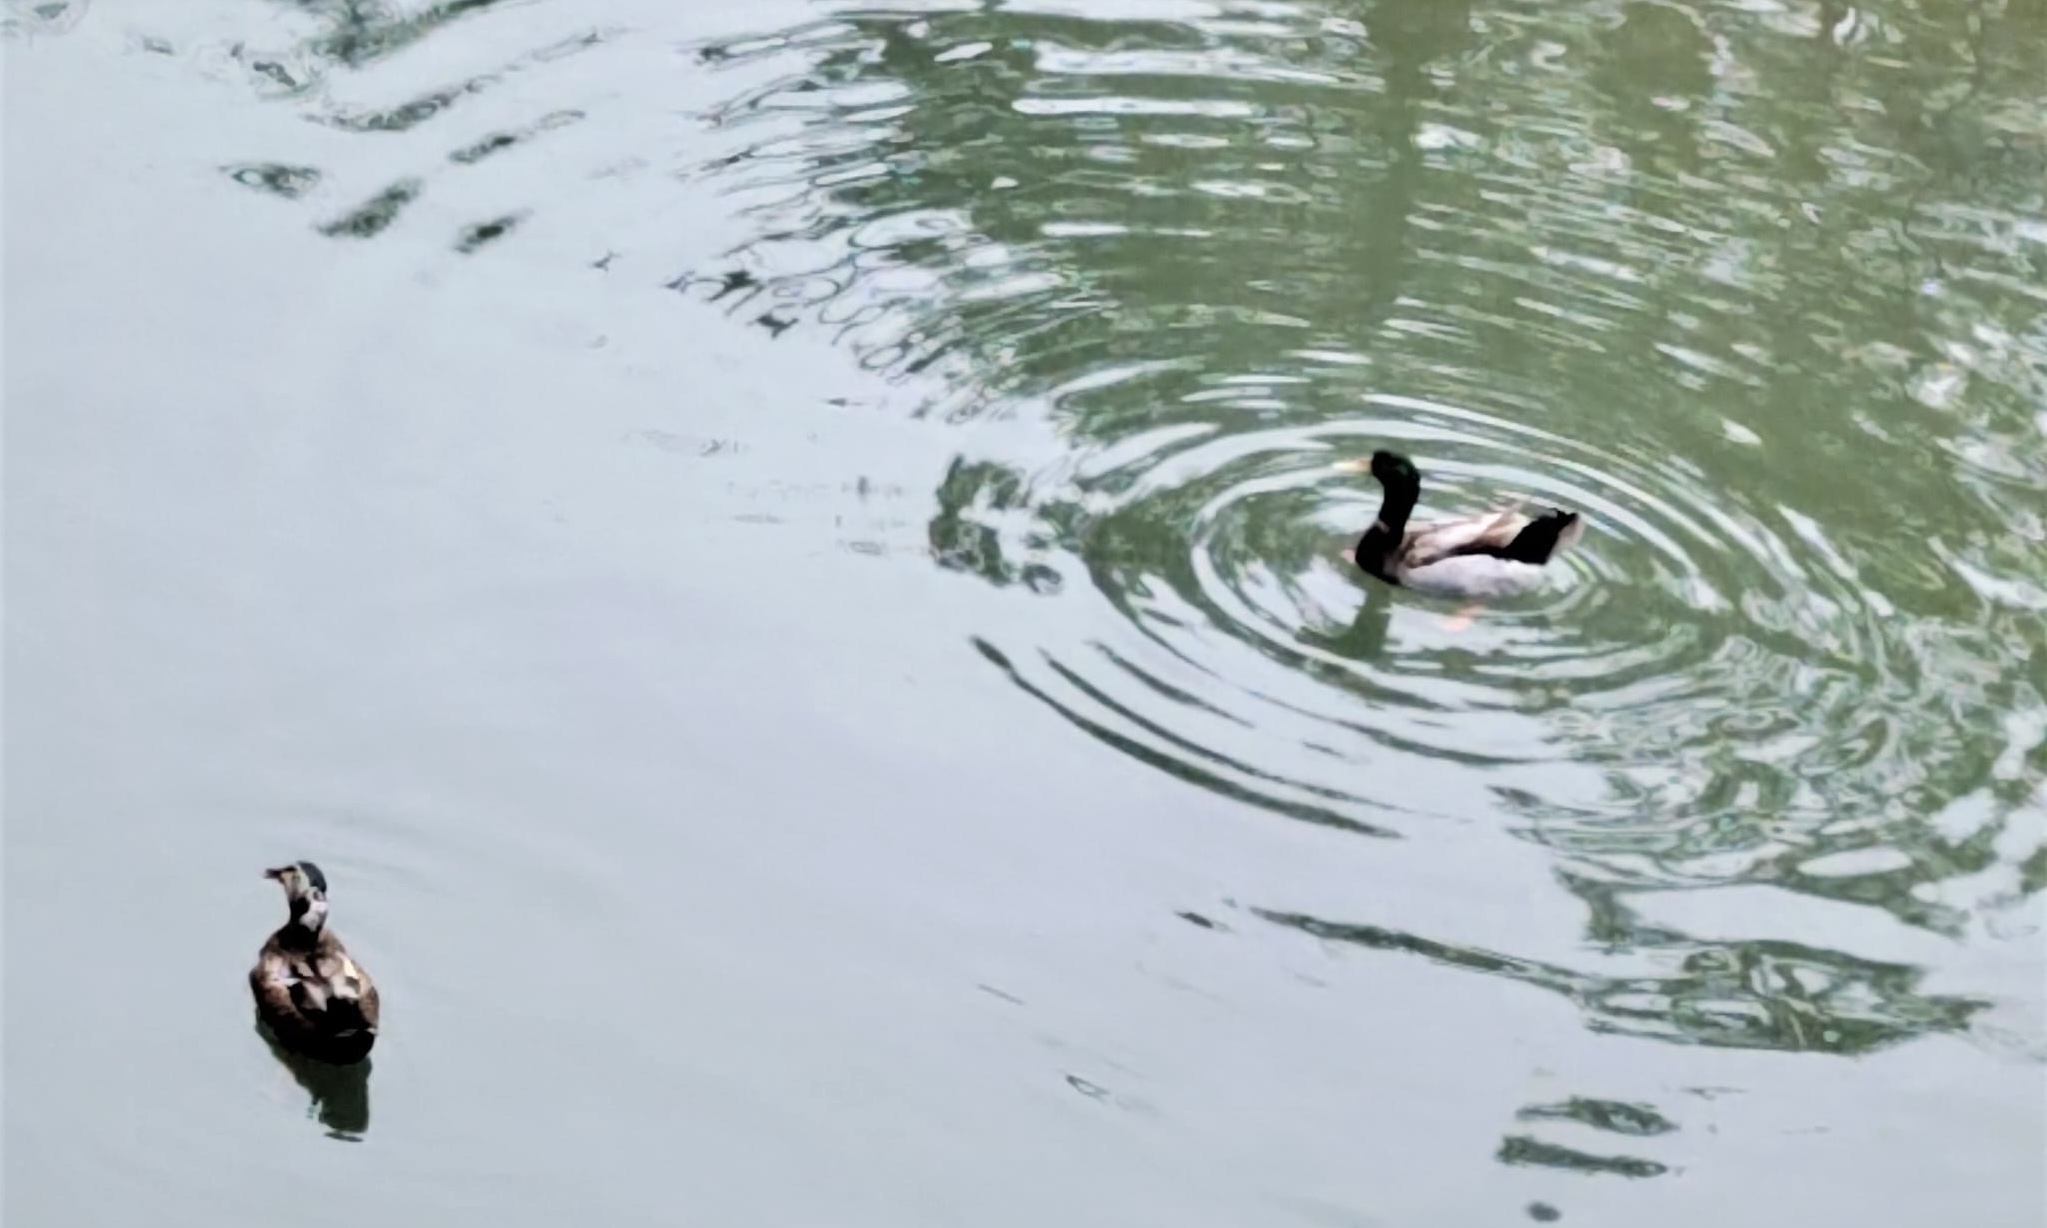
[787, 561]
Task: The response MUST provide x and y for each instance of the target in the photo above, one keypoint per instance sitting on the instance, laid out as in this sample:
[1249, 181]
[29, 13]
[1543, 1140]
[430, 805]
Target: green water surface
[788, 562]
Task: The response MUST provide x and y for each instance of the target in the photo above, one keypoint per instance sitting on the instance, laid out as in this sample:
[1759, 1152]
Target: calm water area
[787, 560]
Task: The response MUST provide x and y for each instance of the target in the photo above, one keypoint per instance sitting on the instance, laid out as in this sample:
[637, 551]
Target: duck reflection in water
[339, 1095]
[1364, 639]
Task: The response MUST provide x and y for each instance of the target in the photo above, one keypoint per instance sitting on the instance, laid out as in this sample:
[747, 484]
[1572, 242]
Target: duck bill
[1352, 466]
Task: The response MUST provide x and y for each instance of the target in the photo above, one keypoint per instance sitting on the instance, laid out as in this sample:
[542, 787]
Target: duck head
[1389, 468]
[305, 891]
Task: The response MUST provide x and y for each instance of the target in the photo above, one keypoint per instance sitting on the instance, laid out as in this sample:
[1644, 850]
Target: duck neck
[1376, 548]
[308, 921]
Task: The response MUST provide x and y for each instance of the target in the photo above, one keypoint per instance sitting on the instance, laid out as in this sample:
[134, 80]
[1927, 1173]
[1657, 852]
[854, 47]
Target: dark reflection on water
[1610, 1115]
[1764, 303]
[1757, 286]
[498, 142]
[338, 1096]
[1746, 995]
[28, 18]
[1521, 1149]
[478, 235]
[374, 215]
[290, 182]
[363, 31]
[356, 36]
[1759, 291]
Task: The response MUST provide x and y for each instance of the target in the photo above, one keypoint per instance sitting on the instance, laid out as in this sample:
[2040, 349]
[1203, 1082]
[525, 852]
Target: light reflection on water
[1759, 292]
[1703, 274]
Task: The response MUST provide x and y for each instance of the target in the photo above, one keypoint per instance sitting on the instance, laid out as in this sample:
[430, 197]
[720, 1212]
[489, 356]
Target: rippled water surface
[789, 561]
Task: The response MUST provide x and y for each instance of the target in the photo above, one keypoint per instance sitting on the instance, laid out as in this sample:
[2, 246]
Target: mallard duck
[1490, 554]
[316, 1000]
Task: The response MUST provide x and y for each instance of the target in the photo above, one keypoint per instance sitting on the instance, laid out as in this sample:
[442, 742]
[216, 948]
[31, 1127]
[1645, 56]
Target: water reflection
[1610, 1115]
[1758, 286]
[1746, 995]
[32, 18]
[359, 33]
[1762, 301]
[338, 1096]
[1364, 640]
[289, 182]
[374, 215]
[1764, 304]
[1522, 1149]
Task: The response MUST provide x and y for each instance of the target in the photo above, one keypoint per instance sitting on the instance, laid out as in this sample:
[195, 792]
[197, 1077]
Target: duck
[314, 998]
[1497, 553]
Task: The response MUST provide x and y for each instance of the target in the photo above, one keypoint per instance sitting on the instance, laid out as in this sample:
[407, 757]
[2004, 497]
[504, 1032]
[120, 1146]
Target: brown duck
[316, 1000]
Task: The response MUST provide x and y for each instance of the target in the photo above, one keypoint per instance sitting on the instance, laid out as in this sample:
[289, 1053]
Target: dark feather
[314, 998]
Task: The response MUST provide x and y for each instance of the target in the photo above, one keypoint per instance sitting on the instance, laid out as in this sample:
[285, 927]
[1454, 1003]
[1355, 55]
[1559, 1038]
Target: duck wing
[1507, 534]
[351, 997]
[1485, 533]
[287, 1001]
[314, 1000]
[369, 1003]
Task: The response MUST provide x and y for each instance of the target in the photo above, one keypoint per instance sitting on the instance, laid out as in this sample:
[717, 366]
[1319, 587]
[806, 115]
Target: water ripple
[1784, 354]
[1763, 303]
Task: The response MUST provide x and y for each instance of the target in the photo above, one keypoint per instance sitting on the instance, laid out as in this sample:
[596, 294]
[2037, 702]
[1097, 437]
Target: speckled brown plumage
[315, 999]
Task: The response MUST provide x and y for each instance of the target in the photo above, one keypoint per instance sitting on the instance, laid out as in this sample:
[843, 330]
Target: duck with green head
[312, 995]
[1489, 554]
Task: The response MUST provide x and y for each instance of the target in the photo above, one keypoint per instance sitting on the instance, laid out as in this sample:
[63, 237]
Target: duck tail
[345, 1014]
[1544, 537]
